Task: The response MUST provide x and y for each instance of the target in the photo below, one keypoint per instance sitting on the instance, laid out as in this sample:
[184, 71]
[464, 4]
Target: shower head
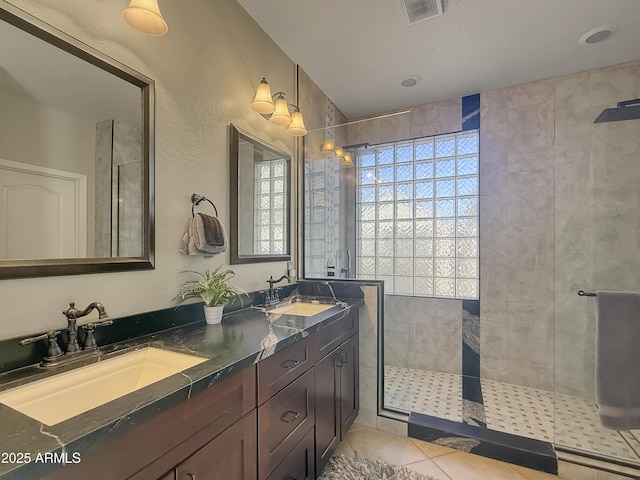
[627, 110]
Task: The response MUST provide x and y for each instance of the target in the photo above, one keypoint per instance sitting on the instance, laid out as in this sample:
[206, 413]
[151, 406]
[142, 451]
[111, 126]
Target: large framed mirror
[260, 200]
[76, 155]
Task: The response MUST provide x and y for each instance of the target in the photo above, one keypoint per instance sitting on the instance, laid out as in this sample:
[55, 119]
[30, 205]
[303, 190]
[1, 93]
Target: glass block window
[417, 215]
[270, 207]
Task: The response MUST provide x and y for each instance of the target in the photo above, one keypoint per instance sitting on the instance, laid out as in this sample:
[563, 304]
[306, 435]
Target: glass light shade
[281, 114]
[328, 147]
[263, 102]
[296, 127]
[339, 151]
[145, 16]
[348, 161]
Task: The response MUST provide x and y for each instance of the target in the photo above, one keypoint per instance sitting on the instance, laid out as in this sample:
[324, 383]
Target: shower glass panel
[328, 206]
[597, 233]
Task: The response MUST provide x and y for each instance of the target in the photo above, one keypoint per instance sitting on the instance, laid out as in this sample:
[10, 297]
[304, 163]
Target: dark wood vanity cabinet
[229, 456]
[278, 420]
[337, 391]
[317, 407]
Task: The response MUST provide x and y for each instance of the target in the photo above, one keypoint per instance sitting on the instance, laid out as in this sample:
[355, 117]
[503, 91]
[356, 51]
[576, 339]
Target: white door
[42, 212]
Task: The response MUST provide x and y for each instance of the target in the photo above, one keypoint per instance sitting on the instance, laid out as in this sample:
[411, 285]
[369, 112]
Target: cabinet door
[230, 456]
[349, 383]
[299, 464]
[327, 408]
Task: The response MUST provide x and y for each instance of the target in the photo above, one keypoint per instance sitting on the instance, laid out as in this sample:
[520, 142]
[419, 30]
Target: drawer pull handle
[290, 416]
[290, 363]
[343, 356]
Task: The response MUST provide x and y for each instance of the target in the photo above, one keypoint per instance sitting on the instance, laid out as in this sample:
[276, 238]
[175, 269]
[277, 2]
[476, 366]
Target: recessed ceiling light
[597, 35]
[410, 81]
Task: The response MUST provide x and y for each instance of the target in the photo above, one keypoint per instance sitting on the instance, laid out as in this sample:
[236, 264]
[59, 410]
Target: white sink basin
[60, 397]
[301, 309]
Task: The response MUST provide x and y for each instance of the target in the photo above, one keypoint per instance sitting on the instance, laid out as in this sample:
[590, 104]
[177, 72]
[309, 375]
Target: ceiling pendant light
[145, 16]
[339, 151]
[296, 127]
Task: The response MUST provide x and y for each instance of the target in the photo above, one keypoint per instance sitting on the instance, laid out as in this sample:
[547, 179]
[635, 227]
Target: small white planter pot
[213, 315]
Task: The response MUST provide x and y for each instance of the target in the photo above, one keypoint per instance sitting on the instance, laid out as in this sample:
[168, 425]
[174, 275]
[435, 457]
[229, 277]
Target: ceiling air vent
[418, 10]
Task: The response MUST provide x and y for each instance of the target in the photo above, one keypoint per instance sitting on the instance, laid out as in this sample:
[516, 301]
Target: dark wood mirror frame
[235, 136]
[72, 266]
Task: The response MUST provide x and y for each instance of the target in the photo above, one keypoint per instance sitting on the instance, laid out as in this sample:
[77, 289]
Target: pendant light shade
[328, 148]
[296, 128]
[339, 151]
[145, 16]
[278, 113]
[348, 161]
[281, 114]
[263, 102]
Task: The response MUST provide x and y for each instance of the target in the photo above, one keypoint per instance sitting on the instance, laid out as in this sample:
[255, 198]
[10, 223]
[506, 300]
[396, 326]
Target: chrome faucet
[72, 314]
[271, 297]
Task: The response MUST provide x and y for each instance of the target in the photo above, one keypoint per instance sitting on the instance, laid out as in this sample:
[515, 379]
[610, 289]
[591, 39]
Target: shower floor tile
[578, 427]
[410, 389]
[518, 410]
[566, 421]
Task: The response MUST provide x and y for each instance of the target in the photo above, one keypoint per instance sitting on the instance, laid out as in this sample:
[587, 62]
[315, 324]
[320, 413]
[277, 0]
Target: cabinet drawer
[283, 421]
[280, 369]
[230, 456]
[328, 337]
[299, 464]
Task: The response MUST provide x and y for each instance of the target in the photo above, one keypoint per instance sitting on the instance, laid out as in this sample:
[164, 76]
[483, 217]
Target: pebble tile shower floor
[569, 421]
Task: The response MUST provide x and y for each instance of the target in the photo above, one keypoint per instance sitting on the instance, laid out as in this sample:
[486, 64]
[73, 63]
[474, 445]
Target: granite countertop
[244, 338]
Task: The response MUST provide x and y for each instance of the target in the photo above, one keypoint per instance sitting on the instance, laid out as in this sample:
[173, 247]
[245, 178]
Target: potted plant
[213, 290]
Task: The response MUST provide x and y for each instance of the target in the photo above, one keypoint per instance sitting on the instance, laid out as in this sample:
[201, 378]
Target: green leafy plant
[212, 288]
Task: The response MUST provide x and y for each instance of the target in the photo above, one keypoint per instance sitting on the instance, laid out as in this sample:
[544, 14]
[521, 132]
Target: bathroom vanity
[272, 400]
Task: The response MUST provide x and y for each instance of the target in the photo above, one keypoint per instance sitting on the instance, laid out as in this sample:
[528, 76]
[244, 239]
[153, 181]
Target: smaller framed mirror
[260, 200]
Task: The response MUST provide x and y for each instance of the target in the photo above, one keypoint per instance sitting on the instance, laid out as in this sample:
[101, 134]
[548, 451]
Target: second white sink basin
[60, 397]
[301, 309]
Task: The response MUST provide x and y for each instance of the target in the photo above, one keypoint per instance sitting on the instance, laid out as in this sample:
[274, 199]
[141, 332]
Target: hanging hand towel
[211, 235]
[188, 242]
[617, 359]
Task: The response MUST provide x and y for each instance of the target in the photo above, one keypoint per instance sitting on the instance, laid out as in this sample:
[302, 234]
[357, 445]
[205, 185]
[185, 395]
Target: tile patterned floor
[443, 463]
[564, 420]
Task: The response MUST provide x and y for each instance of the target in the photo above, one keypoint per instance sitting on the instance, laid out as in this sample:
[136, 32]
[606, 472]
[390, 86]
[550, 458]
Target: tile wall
[559, 212]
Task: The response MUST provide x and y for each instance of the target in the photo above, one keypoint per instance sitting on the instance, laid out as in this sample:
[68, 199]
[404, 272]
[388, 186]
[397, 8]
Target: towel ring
[197, 199]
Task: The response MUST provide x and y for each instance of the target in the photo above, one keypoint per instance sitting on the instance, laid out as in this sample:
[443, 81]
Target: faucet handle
[53, 349]
[90, 340]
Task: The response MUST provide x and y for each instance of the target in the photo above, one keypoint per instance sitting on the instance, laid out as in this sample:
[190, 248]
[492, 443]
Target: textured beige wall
[206, 70]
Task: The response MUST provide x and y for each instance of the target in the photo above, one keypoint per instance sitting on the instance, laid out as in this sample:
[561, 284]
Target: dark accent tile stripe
[471, 112]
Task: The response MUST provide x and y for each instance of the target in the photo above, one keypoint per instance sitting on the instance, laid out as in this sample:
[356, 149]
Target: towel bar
[582, 293]
[197, 199]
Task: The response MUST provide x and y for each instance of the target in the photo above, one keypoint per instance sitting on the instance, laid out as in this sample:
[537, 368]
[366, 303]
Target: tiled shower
[559, 211]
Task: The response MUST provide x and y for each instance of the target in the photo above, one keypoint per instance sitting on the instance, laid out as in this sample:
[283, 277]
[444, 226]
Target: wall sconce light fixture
[278, 112]
[145, 16]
